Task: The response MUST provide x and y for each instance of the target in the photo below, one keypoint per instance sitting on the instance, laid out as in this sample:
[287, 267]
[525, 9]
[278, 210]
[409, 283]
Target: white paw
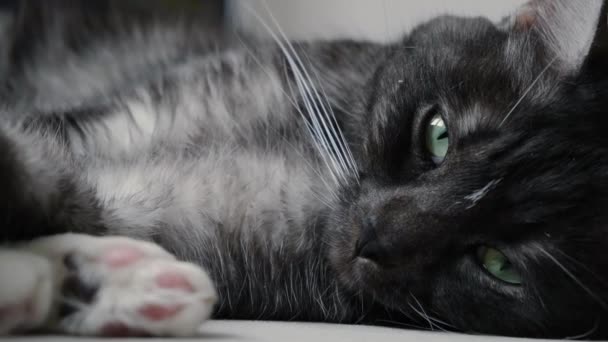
[115, 286]
[26, 291]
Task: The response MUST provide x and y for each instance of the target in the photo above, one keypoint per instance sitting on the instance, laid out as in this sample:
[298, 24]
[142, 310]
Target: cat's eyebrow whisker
[345, 149]
[571, 275]
[332, 195]
[321, 145]
[528, 90]
[321, 126]
[318, 146]
[322, 115]
[339, 164]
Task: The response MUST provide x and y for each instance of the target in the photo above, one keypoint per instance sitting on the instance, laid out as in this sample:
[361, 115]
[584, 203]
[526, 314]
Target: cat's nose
[369, 246]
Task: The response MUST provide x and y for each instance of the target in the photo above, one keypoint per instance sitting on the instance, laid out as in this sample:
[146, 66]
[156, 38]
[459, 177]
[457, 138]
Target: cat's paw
[114, 286]
[26, 291]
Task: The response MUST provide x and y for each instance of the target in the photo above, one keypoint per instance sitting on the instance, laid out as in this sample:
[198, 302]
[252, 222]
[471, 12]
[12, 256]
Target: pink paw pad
[121, 256]
[174, 280]
[155, 312]
[15, 309]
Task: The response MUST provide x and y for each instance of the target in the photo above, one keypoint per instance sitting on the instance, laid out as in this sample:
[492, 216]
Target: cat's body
[200, 143]
[206, 155]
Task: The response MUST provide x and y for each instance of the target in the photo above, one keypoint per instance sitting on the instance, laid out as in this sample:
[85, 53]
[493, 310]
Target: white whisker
[584, 268]
[326, 201]
[588, 333]
[405, 325]
[322, 147]
[304, 79]
[574, 278]
[528, 90]
[429, 317]
[318, 126]
[345, 150]
[431, 325]
[321, 127]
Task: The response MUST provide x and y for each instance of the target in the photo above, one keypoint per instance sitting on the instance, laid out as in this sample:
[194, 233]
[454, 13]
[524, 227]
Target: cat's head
[484, 189]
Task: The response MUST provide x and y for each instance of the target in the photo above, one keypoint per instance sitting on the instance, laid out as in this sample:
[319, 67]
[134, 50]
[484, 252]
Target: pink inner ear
[525, 19]
[121, 256]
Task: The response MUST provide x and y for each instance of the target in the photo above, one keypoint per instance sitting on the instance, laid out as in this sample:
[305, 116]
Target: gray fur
[203, 150]
[265, 162]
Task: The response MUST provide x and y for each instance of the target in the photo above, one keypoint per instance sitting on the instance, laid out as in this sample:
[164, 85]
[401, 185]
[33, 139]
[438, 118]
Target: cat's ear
[573, 31]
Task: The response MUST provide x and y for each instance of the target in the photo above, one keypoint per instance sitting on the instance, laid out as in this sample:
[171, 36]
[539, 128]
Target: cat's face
[484, 193]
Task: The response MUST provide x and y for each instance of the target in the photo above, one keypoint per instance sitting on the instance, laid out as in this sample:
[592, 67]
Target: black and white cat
[456, 179]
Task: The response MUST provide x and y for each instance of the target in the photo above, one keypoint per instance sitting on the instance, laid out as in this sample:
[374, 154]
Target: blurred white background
[379, 20]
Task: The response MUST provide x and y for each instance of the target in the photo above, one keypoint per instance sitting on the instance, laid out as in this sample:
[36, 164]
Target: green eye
[497, 264]
[437, 139]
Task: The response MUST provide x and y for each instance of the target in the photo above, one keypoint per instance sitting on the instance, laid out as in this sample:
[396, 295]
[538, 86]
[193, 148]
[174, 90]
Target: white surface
[238, 331]
[379, 20]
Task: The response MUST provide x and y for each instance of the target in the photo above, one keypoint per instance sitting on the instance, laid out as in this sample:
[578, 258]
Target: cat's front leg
[109, 286]
[26, 291]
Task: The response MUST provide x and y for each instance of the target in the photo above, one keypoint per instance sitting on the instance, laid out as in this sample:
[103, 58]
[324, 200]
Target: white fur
[26, 290]
[37, 273]
[478, 195]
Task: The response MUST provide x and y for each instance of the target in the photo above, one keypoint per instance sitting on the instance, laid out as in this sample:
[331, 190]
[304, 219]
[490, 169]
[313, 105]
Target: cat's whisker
[405, 325]
[539, 296]
[429, 317]
[421, 312]
[586, 334]
[345, 150]
[307, 122]
[320, 140]
[583, 267]
[321, 145]
[313, 127]
[528, 90]
[332, 191]
[335, 129]
[571, 275]
[409, 316]
[339, 165]
[320, 125]
[431, 325]
[334, 144]
[322, 114]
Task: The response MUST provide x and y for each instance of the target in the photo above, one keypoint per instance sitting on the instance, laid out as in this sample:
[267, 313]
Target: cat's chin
[365, 267]
[363, 274]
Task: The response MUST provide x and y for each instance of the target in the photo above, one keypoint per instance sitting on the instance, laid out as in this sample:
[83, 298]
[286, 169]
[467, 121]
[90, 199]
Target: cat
[155, 173]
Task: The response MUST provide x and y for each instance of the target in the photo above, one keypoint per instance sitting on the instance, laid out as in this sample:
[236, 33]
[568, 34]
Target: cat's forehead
[450, 28]
[478, 73]
[460, 48]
